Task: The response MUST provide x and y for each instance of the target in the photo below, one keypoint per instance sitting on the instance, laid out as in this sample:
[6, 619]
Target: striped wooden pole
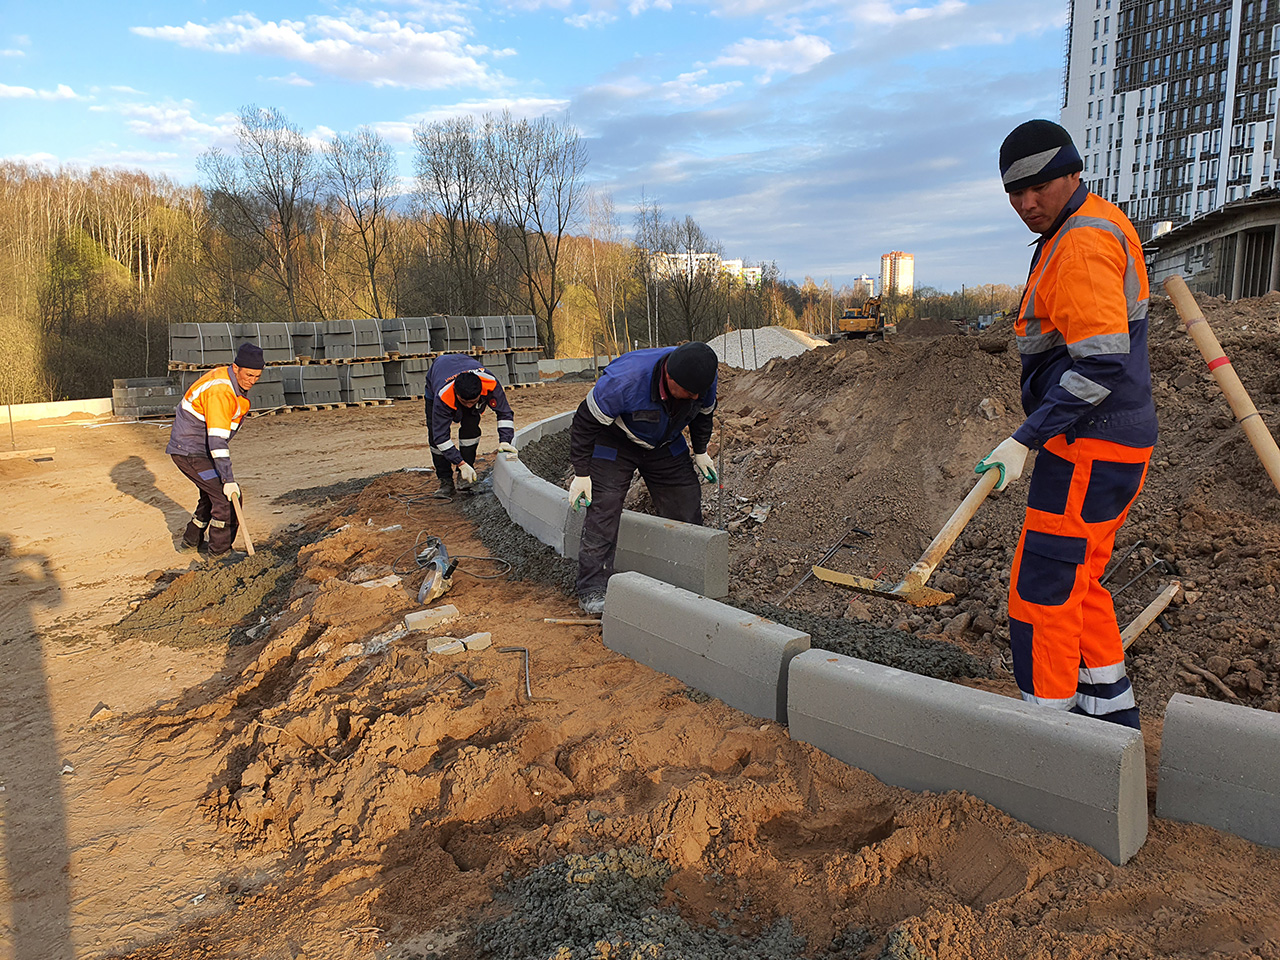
[1225, 374]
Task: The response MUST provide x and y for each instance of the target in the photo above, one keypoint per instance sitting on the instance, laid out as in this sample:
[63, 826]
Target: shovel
[248, 541]
[912, 589]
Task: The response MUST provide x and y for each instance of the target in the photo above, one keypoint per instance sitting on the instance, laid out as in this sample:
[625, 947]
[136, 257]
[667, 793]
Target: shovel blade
[916, 596]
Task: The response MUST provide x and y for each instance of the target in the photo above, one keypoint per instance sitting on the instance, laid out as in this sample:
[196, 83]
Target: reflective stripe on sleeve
[506, 424]
[596, 411]
[219, 432]
[1084, 388]
[1101, 345]
[447, 445]
[219, 453]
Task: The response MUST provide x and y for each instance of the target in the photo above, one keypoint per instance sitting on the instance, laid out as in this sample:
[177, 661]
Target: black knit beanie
[1036, 152]
[466, 386]
[248, 357]
[693, 366]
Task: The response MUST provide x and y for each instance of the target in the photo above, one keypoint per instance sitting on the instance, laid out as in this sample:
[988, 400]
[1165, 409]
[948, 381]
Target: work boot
[193, 535]
[592, 604]
[446, 490]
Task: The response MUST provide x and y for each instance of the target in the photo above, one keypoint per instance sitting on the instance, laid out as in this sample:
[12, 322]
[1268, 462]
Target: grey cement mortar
[530, 559]
[892, 648]
[566, 908]
[548, 458]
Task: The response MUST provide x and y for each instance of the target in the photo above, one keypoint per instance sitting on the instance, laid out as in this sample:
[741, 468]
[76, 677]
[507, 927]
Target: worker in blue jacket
[458, 391]
[634, 419]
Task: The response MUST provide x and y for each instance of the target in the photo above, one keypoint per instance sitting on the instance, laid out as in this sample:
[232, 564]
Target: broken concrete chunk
[478, 641]
[101, 713]
[388, 581]
[446, 647]
[430, 619]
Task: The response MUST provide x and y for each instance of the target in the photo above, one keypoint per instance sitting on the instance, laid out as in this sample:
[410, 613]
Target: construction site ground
[249, 761]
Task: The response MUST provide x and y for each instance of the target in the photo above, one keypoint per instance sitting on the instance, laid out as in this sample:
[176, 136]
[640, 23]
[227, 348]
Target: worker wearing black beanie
[634, 420]
[1036, 152]
[1081, 330]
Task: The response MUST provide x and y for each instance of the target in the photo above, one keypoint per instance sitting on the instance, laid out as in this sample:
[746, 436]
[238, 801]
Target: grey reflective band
[1029, 166]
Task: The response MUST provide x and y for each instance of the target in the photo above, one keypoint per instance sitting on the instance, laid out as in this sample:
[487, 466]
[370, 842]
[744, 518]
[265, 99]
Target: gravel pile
[752, 349]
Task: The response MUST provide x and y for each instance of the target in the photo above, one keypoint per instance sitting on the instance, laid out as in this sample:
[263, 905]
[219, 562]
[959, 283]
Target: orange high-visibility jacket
[208, 417]
[1082, 331]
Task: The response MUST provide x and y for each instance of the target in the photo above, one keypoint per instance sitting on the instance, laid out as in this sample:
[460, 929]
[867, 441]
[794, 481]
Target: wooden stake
[248, 541]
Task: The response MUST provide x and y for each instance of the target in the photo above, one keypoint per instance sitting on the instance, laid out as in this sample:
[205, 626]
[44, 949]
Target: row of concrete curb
[693, 557]
[1057, 772]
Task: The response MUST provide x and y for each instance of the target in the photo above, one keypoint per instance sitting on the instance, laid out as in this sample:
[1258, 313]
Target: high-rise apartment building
[863, 287]
[897, 272]
[1172, 103]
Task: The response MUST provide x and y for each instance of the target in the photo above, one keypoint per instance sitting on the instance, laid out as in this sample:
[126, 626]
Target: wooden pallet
[520, 386]
[375, 402]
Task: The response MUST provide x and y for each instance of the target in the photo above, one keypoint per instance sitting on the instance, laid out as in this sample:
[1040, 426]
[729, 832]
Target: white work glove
[1009, 457]
[231, 489]
[580, 492]
[705, 466]
[511, 452]
[467, 472]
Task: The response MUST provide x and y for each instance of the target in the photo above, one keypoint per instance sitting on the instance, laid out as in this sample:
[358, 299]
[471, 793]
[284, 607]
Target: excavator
[864, 322]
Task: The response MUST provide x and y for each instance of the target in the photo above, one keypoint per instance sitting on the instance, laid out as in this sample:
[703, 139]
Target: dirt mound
[927, 327]
[884, 437]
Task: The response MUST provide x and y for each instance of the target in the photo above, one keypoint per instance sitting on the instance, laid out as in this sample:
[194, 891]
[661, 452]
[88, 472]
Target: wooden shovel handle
[1225, 374]
[248, 541]
[933, 554]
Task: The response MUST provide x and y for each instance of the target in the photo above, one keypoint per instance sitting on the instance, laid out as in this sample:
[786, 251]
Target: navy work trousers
[468, 443]
[213, 512]
[673, 485]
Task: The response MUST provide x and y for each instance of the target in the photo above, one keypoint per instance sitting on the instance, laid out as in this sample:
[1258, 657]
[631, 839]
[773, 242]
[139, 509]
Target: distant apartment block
[689, 265]
[863, 287]
[897, 273]
[1172, 103]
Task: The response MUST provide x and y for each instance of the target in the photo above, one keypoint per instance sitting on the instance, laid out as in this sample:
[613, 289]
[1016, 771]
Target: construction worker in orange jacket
[207, 418]
[1086, 390]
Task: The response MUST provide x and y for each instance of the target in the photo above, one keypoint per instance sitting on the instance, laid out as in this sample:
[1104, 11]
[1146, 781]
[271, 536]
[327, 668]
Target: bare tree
[267, 192]
[360, 172]
[537, 170]
[691, 279]
[455, 197]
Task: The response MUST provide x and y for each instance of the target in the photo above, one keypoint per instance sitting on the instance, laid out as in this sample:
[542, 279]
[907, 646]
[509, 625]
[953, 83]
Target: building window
[1090, 116]
[1104, 55]
[1106, 25]
[1092, 81]
[1095, 29]
[1095, 56]
[1088, 137]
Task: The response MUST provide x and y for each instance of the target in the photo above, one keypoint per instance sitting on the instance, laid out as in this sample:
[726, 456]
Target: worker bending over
[199, 442]
[1086, 390]
[634, 419]
[458, 390]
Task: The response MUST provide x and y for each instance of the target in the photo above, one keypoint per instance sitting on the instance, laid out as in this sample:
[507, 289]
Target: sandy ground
[249, 761]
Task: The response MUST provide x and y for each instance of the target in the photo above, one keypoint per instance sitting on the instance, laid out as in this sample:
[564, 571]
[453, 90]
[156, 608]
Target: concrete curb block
[1059, 772]
[735, 656]
[1217, 767]
[695, 558]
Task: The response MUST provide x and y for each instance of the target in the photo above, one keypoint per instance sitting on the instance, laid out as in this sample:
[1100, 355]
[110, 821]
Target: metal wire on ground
[416, 551]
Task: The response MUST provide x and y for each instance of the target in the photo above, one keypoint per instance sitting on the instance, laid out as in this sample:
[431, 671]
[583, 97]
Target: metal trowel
[434, 559]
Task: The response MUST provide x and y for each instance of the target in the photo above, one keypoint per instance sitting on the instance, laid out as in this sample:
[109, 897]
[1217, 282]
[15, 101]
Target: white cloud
[13, 53]
[292, 80]
[401, 131]
[172, 122]
[796, 55]
[597, 18]
[62, 92]
[377, 50]
[686, 90]
[126, 90]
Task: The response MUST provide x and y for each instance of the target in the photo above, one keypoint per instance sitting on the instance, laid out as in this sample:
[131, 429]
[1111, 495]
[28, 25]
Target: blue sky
[815, 134]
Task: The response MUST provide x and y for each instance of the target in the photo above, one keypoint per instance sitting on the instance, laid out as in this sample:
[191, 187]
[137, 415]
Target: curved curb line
[685, 555]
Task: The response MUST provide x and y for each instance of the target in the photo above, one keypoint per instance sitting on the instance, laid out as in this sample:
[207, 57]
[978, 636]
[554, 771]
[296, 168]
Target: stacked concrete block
[275, 339]
[735, 656]
[496, 364]
[537, 506]
[489, 334]
[522, 332]
[523, 365]
[311, 384]
[450, 334]
[407, 336]
[353, 339]
[203, 344]
[142, 397]
[1054, 770]
[1218, 767]
[407, 378]
[308, 339]
[268, 392]
[361, 381]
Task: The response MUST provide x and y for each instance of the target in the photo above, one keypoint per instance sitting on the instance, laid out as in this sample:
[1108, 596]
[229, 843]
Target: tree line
[499, 217]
